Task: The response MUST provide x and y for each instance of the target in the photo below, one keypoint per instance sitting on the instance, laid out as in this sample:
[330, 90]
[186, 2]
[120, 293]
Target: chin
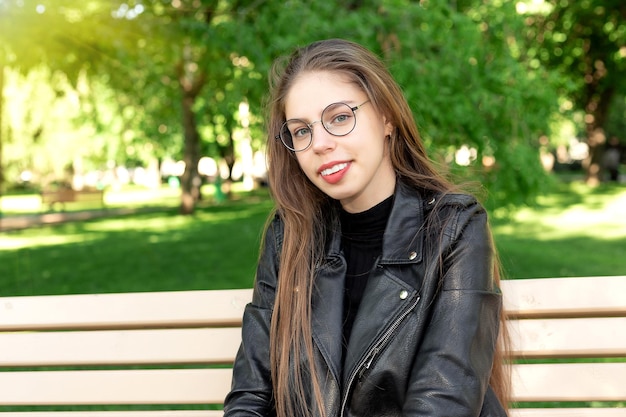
[343, 198]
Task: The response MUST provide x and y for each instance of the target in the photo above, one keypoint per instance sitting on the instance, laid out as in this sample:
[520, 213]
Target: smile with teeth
[333, 169]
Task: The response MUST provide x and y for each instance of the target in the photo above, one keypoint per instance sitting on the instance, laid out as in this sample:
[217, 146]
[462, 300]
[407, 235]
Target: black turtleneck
[362, 243]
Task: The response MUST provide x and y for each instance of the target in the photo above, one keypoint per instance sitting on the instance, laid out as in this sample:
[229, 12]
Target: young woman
[376, 291]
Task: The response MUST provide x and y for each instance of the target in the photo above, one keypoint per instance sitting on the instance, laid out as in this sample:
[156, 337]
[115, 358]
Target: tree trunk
[596, 115]
[190, 181]
[592, 164]
[227, 153]
[191, 83]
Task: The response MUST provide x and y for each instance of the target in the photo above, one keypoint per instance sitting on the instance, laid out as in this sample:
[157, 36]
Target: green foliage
[616, 120]
[42, 114]
[467, 88]
[585, 43]
[584, 40]
[458, 63]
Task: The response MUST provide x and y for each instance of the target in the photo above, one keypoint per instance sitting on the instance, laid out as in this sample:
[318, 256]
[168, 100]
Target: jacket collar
[400, 243]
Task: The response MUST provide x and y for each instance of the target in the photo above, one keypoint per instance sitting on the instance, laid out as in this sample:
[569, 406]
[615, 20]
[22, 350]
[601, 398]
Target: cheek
[303, 162]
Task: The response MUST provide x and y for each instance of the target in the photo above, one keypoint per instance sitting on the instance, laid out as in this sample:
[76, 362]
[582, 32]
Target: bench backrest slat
[563, 412]
[129, 386]
[549, 382]
[536, 382]
[565, 297]
[128, 310]
[120, 347]
[122, 413]
[564, 338]
[550, 338]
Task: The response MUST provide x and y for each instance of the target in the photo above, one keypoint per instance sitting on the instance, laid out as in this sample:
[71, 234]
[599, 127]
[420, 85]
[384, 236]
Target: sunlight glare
[14, 243]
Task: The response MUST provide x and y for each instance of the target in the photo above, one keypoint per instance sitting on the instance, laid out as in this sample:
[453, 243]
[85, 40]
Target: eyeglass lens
[338, 119]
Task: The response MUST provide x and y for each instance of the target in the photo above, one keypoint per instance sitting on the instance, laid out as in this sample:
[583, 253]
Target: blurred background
[156, 107]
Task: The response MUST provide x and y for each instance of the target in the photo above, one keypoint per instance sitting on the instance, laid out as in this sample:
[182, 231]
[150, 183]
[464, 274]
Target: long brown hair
[300, 205]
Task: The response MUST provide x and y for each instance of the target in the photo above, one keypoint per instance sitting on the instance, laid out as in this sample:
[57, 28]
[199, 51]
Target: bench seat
[62, 196]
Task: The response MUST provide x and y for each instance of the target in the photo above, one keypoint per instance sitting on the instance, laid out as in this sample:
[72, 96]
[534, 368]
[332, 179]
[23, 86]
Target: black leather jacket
[423, 340]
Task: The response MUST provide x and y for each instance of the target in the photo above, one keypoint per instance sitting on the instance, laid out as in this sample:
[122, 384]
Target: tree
[179, 71]
[469, 89]
[585, 42]
[189, 50]
[53, 37]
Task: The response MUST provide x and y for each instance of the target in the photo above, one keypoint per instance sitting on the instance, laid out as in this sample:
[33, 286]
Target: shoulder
[434, 201]
[452, 213]
[453, 204]
[272, 242]
[274, 231]
[268, 263]
[457, 201]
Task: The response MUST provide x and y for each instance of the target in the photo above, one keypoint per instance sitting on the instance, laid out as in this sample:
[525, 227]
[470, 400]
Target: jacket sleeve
[251, 390]
[451, 370]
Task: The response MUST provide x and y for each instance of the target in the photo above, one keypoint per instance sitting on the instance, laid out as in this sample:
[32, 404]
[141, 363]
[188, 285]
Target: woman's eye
[301, 132]
[340, 119]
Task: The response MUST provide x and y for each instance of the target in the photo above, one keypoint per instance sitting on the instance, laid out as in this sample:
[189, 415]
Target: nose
[322, 140]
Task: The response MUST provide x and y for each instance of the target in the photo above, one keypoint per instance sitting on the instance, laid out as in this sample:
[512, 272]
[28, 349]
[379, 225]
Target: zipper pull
[368, 362]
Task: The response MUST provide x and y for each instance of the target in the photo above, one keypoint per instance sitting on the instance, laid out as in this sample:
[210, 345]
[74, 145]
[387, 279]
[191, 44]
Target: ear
[389, 128]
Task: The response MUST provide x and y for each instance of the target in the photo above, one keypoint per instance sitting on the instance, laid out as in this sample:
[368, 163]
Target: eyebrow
[351, 103]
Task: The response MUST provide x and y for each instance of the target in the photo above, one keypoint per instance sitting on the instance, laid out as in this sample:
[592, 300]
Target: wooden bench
[137, 350]
[68, 195]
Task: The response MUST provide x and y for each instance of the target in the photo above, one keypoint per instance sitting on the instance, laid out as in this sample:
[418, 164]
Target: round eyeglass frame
[283, 127]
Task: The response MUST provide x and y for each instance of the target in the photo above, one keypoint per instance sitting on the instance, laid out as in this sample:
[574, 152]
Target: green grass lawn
[217, 247]
[574, 231]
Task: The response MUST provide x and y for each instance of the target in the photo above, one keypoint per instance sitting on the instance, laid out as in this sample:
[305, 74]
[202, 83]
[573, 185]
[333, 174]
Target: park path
[8, 223]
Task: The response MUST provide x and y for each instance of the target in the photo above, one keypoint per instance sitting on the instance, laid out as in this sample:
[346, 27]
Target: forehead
[311, 92]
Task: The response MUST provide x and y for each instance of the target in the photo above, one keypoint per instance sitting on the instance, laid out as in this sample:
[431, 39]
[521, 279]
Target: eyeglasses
[338, 119]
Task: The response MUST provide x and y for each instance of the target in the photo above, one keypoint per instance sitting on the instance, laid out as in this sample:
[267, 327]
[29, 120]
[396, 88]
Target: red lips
[333, 172]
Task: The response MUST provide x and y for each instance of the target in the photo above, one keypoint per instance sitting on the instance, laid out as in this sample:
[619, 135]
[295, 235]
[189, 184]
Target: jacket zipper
[368, 359]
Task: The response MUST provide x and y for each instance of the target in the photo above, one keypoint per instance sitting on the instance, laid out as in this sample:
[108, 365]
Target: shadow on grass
[215, 248]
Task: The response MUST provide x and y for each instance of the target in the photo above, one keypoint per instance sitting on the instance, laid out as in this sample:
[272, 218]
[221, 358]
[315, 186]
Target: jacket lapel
[401, 242]
[391, 285]
[327, 312]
